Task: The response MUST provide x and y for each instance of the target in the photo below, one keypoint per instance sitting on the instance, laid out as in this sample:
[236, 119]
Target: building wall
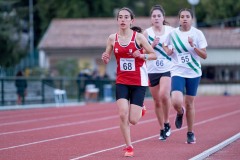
[222, 56]
[219, 89]
[87, 58]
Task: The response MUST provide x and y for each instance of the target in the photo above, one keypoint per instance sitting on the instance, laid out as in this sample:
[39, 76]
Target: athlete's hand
[136, 54]
[168, 48]
[190, 41]
[105, 57]
[171, 49]
[155, 41]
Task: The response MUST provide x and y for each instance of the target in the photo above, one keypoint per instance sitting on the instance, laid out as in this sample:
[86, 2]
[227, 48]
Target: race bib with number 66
[127, 64]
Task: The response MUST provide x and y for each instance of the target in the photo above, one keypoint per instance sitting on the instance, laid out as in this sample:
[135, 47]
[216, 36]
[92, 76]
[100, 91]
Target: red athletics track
[92, 132]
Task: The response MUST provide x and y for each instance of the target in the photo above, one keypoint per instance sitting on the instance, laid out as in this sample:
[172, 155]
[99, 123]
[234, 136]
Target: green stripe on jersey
[185, 49]
[175, 45]
[162, 53]
[152, 39]
[180, 42]
[195, 62]
[193, 68]
[159, 50]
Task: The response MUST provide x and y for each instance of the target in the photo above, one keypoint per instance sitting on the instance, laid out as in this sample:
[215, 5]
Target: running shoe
[191, 138]
[144, 110]
[162, 136]
[167, 129]
[179, 120]
[129, 151]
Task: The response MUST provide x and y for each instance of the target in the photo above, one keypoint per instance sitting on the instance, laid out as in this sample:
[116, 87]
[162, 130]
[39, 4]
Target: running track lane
[92, 132]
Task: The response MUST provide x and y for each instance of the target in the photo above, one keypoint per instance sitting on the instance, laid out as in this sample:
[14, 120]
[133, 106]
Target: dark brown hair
[137, 29]
[185, 9]
[160, 8]
[127, 9]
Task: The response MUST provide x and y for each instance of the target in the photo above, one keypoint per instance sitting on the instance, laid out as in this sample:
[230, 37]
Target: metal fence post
[2, 91]
[43, 91]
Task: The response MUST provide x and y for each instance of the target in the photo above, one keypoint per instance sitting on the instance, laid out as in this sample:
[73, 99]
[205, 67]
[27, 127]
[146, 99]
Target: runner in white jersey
[189, 45]
[185, 58]
[159, 70]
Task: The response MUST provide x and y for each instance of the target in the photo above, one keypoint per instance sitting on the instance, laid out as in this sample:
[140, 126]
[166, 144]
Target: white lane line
[70, 136]
[60, 125]
[216, 148]
[73, 123]
[196, 124]
[50, 118]
[108, 129]
[49, 105]
[59, 138]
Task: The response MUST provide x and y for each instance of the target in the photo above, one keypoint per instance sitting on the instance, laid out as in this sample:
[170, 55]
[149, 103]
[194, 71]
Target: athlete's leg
[123, 111]
[136, 103]
[190, 111]
[158, 107]
[178, 84]
[122, 97]
[191, 92]
[135, 113]
[165, 88]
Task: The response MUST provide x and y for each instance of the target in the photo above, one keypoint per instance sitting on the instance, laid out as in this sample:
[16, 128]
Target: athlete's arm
[201, 52]
[106, 56]
[142, 41]
[166, 47]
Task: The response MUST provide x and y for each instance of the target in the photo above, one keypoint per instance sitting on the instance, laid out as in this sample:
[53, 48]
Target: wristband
[146, 56]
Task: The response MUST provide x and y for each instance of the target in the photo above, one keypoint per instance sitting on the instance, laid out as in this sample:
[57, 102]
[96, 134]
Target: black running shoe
[162, 135]
[191, 138]
[167, 129]
[179, 120]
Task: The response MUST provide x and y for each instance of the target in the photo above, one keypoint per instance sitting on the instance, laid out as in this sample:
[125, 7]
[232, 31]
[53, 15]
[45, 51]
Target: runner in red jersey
[132, 78]
[130, 70]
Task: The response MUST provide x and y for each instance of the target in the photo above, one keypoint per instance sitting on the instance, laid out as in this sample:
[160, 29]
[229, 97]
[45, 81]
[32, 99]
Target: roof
[82, 33]
[87, 33]
[222, 37]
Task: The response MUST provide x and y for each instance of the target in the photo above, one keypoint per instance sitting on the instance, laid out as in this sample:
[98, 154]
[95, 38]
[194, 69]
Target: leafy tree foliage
[67, 67]
[213, 11]
[10, 35]
[206, 10]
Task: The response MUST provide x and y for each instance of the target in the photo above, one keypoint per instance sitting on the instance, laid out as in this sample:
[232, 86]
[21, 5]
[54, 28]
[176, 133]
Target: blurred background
[57, 44]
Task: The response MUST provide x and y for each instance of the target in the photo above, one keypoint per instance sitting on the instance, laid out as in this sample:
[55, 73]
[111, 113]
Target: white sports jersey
[163, 62]
[185, 59]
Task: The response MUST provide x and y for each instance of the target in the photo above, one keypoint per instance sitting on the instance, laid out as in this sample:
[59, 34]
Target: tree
[10, 35]
[67, 67]
[49, 9]
[213, 11]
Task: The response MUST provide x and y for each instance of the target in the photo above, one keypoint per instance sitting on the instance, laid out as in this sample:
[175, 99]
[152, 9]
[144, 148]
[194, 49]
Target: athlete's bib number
[127, 64]
[184, 58]
[160, 62]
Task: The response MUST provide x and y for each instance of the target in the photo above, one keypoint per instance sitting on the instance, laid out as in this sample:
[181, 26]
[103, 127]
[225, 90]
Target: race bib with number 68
[127, 64]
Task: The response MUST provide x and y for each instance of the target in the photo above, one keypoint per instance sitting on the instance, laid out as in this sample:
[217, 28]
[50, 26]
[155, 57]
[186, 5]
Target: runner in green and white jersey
[159, 70]
[186, 45]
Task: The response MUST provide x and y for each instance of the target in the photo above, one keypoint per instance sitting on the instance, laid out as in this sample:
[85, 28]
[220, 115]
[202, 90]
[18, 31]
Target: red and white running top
[130, 70]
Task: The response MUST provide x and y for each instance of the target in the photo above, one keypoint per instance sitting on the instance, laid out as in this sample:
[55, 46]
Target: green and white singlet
[185, 59]
[163, 62]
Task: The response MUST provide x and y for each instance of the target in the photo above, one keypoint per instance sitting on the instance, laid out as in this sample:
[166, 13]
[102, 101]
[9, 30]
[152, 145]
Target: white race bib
[184, 57]
[160, 62]
[127, 64]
